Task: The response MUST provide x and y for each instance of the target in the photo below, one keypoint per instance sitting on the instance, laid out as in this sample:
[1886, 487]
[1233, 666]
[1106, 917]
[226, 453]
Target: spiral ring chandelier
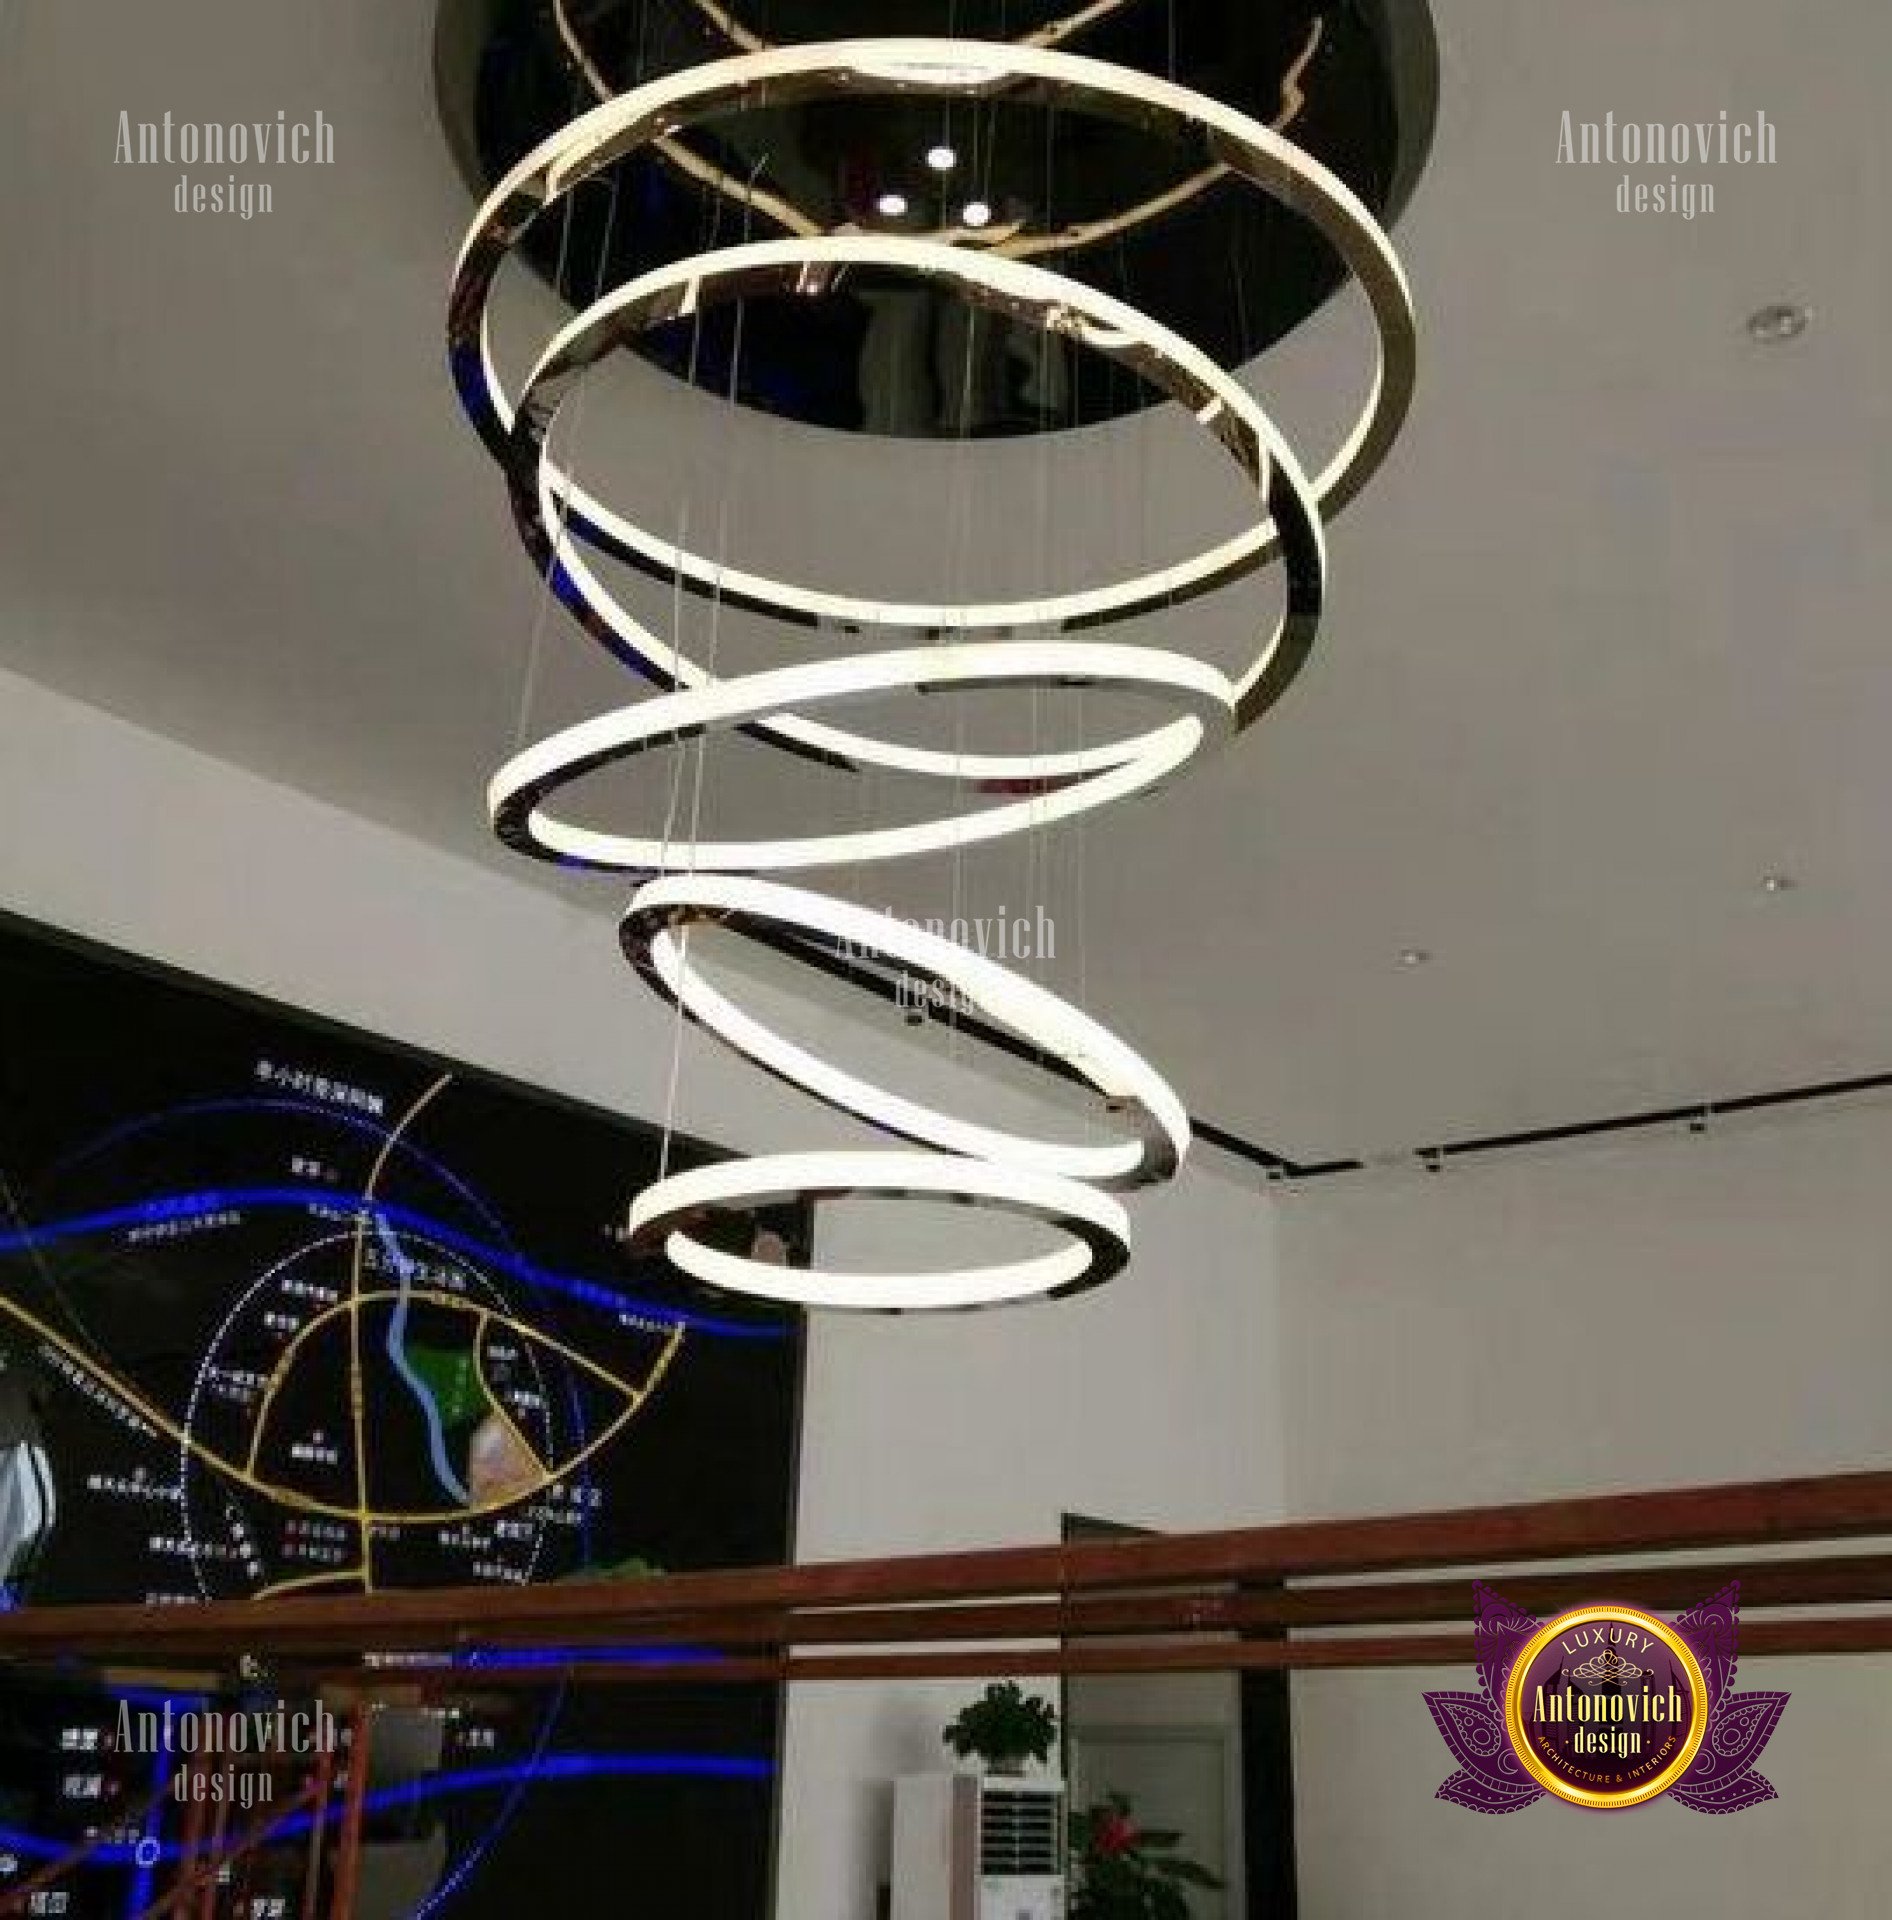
[688, 881]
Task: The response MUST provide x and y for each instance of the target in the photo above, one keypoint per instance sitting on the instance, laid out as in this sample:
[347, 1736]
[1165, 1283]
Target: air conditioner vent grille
[1020, 1834]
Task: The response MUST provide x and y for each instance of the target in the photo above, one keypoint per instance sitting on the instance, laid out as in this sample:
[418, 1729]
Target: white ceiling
[1608, 636]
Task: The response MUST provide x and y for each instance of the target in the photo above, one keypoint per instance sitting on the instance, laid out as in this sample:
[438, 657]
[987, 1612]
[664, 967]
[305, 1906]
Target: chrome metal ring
[520, 791]
[1095, 1226]
[951, 69]
[654, 933]
[1030, 294]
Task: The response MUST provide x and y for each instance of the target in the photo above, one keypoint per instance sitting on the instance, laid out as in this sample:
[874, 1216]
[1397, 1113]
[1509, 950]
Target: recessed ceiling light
[891, 205]
[1778, 322]
[1414, 956]
[942, 159]
[1778, 883]
[978, 213]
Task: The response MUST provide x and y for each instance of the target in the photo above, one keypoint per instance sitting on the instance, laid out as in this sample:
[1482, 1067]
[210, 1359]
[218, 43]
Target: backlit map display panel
[288, 1309]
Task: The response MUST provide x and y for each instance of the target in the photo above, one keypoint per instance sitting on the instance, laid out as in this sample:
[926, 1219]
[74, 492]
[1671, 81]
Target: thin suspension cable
[535, 644]
[673, 1086]
[1065, 1186]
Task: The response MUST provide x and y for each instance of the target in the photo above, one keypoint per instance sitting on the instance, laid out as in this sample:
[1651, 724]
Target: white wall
[1153, 1403]
[1660, 1311]
[1666, 1310]
[1373, 1844]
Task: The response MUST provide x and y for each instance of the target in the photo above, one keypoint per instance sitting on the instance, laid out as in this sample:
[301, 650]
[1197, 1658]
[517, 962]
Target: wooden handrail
[1848, 1579]
[1151, 1584]
[1863, 1634]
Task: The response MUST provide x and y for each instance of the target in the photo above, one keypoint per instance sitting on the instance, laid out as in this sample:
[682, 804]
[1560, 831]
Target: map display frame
[289, 1307]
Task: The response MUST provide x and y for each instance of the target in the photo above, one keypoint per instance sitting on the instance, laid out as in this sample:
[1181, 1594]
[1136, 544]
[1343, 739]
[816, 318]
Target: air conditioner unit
[970, 1846]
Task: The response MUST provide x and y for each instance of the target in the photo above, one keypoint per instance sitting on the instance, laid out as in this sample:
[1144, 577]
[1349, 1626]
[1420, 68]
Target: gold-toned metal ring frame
[946, 69]
[976, 1165]
[1150, 1122]
[1031, 295]
[1016, 241]
[519, 795]
[1091, 1225]
[1547, 1777]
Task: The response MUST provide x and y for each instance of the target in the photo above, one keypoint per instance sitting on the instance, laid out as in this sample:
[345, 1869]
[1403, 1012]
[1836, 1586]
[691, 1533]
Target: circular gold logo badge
[1606, 1706]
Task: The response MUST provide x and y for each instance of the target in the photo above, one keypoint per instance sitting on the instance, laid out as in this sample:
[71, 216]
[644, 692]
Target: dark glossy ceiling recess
[1352, 81]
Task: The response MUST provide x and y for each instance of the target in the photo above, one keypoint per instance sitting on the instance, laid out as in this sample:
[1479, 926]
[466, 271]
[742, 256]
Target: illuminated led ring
[1029, 294]
[1055, 1029]
[952, 69]
[1097, 1229]
[518, 793]
[1053, 1181]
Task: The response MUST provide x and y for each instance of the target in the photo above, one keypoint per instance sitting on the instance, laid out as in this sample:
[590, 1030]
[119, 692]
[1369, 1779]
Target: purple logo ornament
[1606, 1707]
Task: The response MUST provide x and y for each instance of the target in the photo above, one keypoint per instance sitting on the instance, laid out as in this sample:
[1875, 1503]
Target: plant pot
[1007, 1766]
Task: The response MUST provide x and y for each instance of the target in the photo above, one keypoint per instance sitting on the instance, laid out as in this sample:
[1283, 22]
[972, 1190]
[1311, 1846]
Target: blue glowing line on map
[146, 1852]
[470, 1862]
[348, 1208]
[144, 1884]
[156, 1697]
[581, 1438]
[396, 1344]
[374, 1129]
[524, 1659]
[544, 1771]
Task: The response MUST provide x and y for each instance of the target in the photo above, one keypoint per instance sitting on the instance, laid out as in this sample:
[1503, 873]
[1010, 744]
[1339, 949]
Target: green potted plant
[1120, 1871]
[1005, 1727]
